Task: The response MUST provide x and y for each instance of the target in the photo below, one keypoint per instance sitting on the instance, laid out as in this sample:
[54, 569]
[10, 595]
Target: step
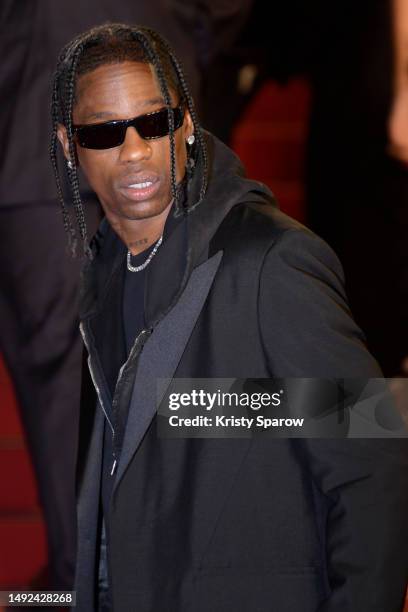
[22, 548]
[18, 489]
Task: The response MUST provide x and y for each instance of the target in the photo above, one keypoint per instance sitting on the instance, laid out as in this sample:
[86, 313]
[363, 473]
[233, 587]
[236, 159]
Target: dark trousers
[40, 341]
[104, 595]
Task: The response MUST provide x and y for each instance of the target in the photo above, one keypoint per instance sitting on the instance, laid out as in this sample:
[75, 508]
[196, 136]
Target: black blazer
[259, 524]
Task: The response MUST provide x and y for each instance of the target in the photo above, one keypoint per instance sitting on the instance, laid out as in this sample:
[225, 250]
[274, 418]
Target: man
[194, 273]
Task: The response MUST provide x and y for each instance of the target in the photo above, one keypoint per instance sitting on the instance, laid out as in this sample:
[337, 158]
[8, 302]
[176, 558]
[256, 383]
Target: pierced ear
[63, 138]
[188, 122]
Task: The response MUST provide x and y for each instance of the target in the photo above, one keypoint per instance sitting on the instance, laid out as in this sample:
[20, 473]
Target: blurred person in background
[39, 335]
[398, 120]
[356, 195]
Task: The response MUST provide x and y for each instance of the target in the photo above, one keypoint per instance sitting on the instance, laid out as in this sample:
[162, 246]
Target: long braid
[191, 107]
[197, 132]
[53, 155]
[63, 108]
[72, 171]
[157, 64]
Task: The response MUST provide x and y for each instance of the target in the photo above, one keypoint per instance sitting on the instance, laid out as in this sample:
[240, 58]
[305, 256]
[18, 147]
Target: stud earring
[191, 139]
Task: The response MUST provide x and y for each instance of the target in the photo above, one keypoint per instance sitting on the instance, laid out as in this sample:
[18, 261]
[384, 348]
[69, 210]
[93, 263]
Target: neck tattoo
[138, 242]
[148, 260]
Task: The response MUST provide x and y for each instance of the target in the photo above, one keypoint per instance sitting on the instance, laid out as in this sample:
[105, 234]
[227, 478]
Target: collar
[184, 247]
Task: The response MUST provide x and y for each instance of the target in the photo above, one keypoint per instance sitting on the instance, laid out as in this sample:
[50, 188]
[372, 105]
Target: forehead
[122, 89]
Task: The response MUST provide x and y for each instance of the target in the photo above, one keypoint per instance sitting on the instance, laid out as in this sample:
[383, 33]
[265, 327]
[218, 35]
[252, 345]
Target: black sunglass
[112, 133]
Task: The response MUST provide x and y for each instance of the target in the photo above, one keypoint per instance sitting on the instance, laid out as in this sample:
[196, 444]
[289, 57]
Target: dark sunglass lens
[102, 136]
[156, 125]
[178, 117]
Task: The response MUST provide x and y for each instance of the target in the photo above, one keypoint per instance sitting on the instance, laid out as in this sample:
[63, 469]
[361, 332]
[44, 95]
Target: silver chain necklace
[148, 260]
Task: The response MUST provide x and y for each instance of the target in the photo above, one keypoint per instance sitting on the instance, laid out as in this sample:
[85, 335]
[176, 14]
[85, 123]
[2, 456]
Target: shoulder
[264, 235]
[263, 220]
[305, 322]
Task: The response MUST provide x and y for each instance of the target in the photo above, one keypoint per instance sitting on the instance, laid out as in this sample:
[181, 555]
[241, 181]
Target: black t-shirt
[133, 298]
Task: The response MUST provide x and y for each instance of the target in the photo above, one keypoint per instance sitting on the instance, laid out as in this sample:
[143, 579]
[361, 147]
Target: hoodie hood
[188, 244]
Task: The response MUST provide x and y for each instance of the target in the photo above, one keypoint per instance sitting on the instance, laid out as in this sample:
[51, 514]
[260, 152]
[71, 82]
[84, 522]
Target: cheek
[95, 165]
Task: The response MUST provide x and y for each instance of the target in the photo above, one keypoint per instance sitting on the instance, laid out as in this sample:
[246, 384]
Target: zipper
[99, 394]
[133, 353]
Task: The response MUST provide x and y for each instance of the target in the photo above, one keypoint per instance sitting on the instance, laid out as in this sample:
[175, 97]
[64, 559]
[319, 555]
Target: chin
[134, 211]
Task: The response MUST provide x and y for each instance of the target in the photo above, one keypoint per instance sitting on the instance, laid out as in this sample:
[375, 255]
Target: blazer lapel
[161, 355]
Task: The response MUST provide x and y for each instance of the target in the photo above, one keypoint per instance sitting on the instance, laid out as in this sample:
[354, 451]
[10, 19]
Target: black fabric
[133, 298]
[133, 322]
[123, 328]
[221, 524]
[104, 595]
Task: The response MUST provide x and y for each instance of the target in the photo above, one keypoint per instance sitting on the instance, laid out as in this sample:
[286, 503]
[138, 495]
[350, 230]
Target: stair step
[10, 423]
[22, 548]
[18, 488]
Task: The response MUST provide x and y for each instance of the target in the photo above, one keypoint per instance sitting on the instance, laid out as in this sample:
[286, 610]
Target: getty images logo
[209, 401]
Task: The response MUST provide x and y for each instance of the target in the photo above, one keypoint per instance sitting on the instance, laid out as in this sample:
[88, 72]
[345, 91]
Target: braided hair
[108, 44]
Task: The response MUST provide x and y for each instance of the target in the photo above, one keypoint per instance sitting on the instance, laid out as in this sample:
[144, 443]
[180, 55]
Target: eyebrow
[144, 103]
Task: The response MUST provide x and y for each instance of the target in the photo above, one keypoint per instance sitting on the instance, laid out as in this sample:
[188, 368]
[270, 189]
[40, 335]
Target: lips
[140, 187]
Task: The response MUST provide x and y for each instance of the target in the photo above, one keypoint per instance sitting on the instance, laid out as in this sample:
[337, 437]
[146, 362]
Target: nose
[134, 148]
